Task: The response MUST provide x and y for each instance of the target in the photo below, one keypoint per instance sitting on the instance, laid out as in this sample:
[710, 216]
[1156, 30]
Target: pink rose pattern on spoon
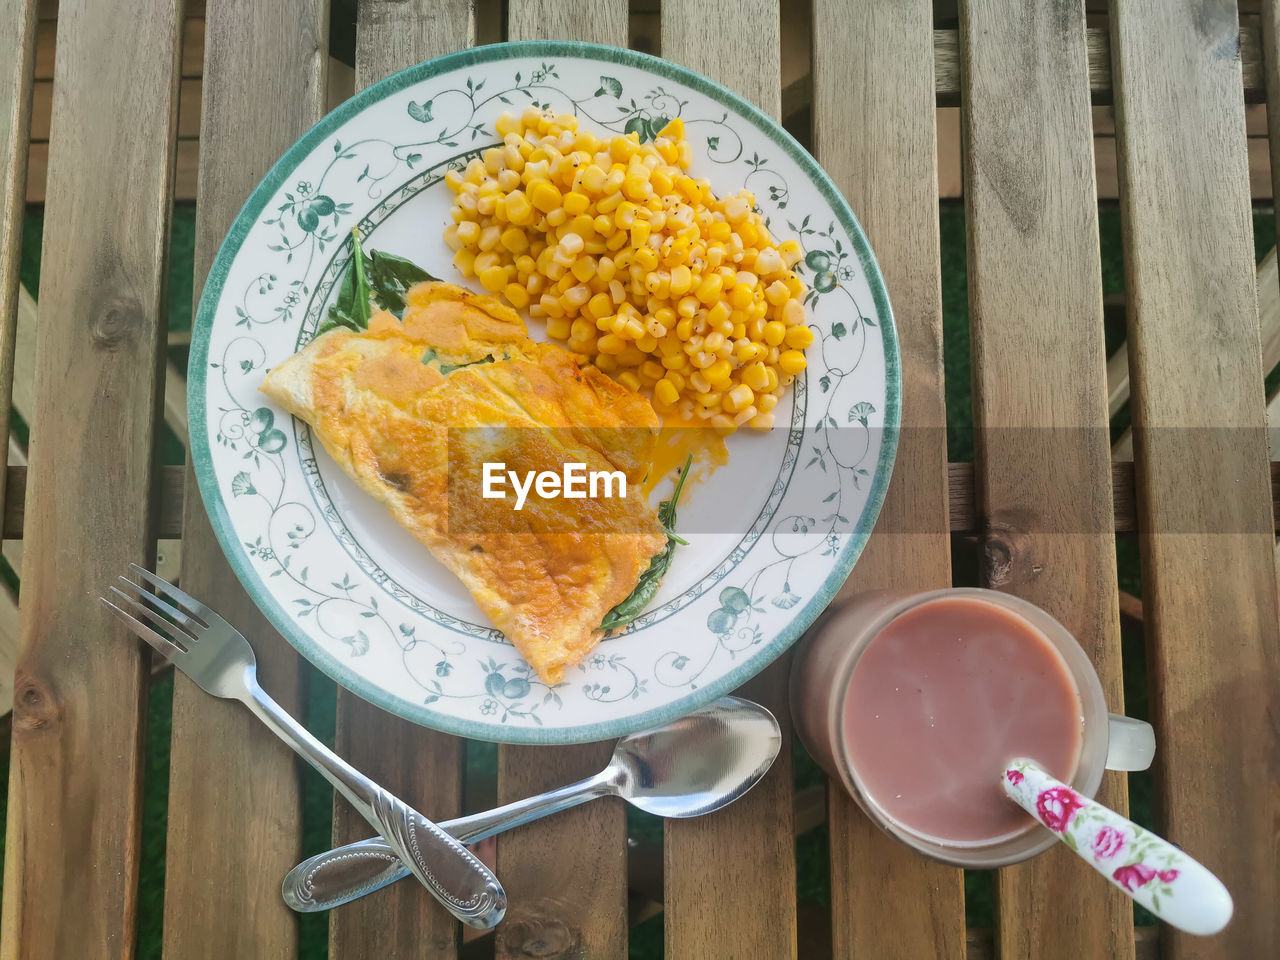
[1151, 870]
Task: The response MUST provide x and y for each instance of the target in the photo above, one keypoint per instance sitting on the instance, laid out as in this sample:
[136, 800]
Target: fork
[221, 662]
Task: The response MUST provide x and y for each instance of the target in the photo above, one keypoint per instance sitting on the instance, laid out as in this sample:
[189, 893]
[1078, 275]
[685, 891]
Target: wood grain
[421, 765]
[234, 789]
[17, 48]
[883, 51]
[748, 847]
[1212, 623]
[72, 848]
[583, 20]
[1039, 362]
[1268, 287]
[566, 877]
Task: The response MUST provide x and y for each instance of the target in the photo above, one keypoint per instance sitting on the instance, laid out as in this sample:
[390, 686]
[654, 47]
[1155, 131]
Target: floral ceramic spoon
[1148, 868]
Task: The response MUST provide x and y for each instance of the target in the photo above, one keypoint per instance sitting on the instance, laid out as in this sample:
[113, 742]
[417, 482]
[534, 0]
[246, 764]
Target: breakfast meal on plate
[675, 307]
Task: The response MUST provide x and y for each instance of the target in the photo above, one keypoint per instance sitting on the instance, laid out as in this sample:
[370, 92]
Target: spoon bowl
[699, 763]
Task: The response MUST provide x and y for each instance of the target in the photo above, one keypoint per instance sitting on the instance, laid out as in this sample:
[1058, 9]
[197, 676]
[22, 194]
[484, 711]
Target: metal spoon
[689, 767]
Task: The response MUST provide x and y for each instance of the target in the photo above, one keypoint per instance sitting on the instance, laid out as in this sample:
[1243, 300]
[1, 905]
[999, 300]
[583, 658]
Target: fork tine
[185, 620]
[193, 607]
[160, 644]
[180, 637]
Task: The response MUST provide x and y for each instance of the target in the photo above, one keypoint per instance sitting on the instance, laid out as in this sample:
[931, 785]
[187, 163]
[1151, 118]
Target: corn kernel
[558, 328]
[709, 289]
[629, 380]
[516, 295]
[665, 392]
[610, 343]
[777, 293]
[493, 279]
[517, 208]
[514, 239]
[544, 195]
[599, 305]
[718, 373]
[465, 261]
[576, 203]
[739, 398]
[792, 361]
[800, 337]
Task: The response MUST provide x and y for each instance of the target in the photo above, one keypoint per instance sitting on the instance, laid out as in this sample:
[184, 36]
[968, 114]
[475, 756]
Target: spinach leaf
[651, 579]
[381, 277]
[390, 277]
[351, 308]
[448, 368]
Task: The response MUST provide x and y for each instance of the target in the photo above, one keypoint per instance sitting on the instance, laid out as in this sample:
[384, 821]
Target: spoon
[1151, 870]
[691, 766]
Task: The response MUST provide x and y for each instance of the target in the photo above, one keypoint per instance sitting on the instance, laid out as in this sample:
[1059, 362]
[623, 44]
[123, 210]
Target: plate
[772, 535]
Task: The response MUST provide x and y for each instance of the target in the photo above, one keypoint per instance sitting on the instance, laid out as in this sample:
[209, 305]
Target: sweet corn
[635, 264]
[791, 361]
[739, 398]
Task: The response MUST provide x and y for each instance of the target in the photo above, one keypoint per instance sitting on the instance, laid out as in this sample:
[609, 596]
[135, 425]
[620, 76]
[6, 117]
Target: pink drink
[941, 698]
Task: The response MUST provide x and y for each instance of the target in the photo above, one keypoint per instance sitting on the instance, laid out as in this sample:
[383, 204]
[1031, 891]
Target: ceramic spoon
[694, 765]
[1149, 869]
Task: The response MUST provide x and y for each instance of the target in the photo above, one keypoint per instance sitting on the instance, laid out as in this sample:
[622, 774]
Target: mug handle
[1131, 744]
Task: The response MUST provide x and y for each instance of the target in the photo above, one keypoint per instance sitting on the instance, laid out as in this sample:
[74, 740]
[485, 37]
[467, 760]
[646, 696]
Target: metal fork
[220, 661]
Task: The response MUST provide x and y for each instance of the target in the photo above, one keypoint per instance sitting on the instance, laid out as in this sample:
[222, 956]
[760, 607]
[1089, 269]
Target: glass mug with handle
[913, 700]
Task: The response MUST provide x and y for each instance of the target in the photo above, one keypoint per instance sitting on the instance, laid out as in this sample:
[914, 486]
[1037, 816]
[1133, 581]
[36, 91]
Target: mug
[820, 677]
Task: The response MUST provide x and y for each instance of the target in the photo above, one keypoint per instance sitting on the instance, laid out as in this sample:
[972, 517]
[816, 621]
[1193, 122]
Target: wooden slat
[17, 48]
[419, 764]
[1268, 274]
[883, 51]
[1039, 362]
[72, 848]
[1209, 597]
[1268, 286]
[747, 848]
[234, 790]
[566, 877]
[568, 20]
[192, 53]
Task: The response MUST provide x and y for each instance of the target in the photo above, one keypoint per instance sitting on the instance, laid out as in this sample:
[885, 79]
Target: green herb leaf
[390, 278]
[448, 368]
[651, 579]
[351, 308]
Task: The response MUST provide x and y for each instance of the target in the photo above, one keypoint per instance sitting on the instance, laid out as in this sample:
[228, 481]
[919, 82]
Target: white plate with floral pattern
[773, 534]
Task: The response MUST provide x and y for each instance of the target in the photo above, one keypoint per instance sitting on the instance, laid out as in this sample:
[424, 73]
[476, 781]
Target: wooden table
[1042, 496]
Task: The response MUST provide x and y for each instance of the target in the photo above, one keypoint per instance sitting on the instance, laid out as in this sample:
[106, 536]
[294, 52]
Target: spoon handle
[347, 873]
[1150, 869]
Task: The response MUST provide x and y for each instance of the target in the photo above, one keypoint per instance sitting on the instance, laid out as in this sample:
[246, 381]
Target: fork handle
[465, 886]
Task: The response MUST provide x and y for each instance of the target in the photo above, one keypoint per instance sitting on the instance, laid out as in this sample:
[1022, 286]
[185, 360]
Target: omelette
[412, 409]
